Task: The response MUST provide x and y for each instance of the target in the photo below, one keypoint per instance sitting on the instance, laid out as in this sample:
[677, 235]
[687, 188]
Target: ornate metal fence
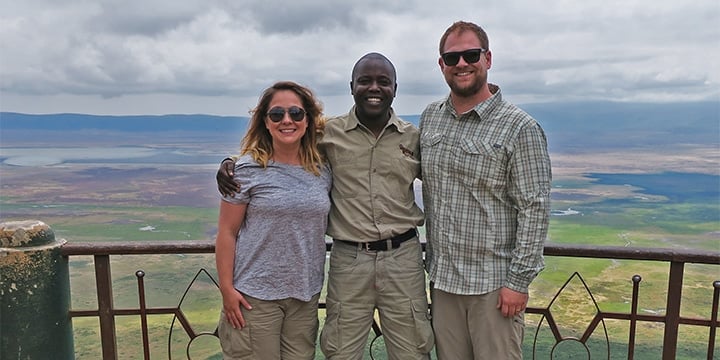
[671, 319]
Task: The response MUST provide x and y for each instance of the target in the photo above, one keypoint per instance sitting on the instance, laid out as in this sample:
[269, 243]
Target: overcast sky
[216, 56]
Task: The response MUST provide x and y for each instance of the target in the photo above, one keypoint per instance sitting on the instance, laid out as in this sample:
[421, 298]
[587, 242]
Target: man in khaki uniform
[376, 260]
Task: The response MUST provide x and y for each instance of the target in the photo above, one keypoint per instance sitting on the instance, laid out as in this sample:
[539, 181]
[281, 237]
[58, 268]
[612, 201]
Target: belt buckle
[367, 247]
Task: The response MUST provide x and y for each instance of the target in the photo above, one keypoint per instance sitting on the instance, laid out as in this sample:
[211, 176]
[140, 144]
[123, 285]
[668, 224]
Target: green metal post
[34, 293]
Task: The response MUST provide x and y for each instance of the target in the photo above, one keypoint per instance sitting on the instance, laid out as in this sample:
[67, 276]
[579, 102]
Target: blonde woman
[270, 247]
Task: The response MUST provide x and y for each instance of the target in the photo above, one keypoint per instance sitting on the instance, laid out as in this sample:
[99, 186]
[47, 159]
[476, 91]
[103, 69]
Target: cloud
[220, 54]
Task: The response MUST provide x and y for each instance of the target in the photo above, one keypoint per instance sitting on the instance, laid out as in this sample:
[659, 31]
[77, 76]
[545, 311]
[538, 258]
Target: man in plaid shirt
[486, 190]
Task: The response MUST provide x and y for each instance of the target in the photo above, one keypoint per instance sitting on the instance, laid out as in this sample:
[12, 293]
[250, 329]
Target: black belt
[382, 245]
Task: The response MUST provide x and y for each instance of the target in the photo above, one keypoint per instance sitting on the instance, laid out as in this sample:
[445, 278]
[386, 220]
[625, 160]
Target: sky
[132, 57]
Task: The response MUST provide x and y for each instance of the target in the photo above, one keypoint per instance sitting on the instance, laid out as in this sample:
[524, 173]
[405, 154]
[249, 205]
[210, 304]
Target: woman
[270, 247]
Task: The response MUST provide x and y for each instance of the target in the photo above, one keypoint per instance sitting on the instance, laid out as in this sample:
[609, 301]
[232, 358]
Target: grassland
[97, 202]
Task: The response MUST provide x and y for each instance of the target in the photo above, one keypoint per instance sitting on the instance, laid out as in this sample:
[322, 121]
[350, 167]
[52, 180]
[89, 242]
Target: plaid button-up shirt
[486, 191]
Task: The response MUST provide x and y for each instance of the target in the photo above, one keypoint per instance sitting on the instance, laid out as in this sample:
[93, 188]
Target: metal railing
[672, 319]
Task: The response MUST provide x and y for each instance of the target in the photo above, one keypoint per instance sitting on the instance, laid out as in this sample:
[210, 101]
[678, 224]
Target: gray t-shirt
[280, 249]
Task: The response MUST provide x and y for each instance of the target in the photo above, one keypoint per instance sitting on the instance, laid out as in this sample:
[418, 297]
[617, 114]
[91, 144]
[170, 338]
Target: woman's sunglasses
[470, 56]
[276, 114]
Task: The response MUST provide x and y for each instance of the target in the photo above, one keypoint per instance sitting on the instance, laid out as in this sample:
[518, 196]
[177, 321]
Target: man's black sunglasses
[277, 113]
[471, 56]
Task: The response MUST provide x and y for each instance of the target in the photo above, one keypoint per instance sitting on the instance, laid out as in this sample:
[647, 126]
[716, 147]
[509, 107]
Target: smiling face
[466, 80]
[287, 132]
[373, 88]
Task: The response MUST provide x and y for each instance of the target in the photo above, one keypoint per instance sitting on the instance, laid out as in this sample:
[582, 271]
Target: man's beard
[469, 91]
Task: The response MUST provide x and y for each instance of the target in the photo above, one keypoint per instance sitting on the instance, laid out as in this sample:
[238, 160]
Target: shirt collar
[483, 108]
[353, 122]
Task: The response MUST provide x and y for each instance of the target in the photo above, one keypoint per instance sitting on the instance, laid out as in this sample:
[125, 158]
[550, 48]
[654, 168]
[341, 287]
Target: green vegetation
[128, 223]
[609, 215]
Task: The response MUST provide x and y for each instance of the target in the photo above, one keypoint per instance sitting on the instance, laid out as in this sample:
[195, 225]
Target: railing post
[672, 312]
[34, 293]
[636, 279]
[106, 309]
[713, 320]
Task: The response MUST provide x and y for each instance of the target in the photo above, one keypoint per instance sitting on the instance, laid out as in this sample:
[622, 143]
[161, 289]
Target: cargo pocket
[330, 334]
[235, 343]
[424, 337]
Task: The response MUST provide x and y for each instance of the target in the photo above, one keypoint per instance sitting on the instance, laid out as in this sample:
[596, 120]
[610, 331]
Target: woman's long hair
[258, 142]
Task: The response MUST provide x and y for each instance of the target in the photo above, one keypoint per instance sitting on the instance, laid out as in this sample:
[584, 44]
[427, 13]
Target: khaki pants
[471, 327]
[276, 329]
[393, 282]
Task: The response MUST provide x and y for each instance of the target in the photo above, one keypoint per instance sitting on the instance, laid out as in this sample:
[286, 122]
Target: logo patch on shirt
[406, 151]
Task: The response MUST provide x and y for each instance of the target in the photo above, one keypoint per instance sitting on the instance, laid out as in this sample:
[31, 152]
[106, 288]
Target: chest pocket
[430, 149]
[346, 167]
[430, 140]
[481, 164]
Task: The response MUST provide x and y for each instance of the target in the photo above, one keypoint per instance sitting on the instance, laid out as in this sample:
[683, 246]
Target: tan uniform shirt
[372, 194]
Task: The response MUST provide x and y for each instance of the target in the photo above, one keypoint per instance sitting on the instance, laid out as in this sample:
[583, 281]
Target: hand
[511, 302]
[232, 302]
[225, 181]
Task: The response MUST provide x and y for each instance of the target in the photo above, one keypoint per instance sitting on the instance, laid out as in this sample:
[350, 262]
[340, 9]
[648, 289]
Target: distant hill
[127, 123]
[579, 126]
[619, 125]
